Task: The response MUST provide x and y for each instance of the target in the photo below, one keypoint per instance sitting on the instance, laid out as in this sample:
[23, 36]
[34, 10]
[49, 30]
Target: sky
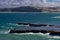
[53, 0]
[18, 3]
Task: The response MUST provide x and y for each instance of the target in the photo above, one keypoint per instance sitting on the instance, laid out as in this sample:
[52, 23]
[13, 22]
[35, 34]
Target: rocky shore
[53, 30]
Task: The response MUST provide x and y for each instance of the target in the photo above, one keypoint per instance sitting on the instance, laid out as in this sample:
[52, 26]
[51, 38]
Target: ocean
[9, 21]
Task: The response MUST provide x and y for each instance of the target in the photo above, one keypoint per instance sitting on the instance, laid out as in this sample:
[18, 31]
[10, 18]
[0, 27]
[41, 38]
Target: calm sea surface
[9, 21]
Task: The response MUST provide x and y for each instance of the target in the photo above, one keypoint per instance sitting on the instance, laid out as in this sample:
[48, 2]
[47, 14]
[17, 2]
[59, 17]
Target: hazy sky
[18, 3]
[53, 0]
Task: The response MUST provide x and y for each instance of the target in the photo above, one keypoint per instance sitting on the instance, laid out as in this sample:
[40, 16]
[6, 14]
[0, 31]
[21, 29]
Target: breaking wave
[41, 34]
[31, 34]
[4, 32]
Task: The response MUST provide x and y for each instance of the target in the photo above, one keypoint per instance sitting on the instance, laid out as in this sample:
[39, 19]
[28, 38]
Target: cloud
[19, 3]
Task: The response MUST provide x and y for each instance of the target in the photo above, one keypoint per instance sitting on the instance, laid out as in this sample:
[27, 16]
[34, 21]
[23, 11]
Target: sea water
[9, 21]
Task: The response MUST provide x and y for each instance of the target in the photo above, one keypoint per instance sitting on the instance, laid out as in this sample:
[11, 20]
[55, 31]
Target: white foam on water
[16, 24]
[23, 33]
[55, 37]
[41, 34]
[4, 32]
[46, 34]
[13, 24]
[56, 17]
[31, 34]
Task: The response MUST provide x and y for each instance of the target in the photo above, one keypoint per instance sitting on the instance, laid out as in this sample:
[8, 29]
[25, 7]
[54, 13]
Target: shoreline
[34, 12]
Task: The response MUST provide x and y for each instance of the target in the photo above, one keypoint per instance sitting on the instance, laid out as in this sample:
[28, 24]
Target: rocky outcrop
[36, 28]
[37, 25]
[52, 33]
[33, 24]
[28, 31]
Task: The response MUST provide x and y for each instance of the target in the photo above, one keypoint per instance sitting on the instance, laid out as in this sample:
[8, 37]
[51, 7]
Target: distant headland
[31, 9]
[29, 6]
[21, 9]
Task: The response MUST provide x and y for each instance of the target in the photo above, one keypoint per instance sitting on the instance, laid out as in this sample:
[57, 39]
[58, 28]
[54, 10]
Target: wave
[4, 32]
[7, 32]
[16, 24]
[56, 17]
[55, 37]
[31, 34]
[41, 34]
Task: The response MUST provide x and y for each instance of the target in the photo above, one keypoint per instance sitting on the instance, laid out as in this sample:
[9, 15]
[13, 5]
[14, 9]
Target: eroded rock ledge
[37, 28]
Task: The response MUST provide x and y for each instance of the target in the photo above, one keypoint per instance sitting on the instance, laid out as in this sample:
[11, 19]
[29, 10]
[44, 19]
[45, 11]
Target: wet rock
[39, 25]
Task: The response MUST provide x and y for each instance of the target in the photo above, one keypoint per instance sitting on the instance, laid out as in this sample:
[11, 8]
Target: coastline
[30, 9]
[34, 12]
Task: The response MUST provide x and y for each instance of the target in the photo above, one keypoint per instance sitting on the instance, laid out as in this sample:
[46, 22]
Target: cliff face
[21, 9]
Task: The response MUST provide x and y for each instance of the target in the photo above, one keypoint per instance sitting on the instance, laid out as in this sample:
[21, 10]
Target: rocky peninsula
[31, 9]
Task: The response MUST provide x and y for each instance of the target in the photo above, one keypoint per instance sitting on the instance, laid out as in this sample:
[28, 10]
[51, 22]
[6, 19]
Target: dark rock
[44, 31]
[52, 33]
[23, 23]
[19, 31]
[27, 31]
[32, 24]
[39, 25]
